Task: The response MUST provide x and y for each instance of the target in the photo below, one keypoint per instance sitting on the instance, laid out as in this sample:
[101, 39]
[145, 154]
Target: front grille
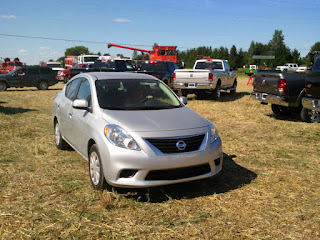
[169, 145]
[178, 173]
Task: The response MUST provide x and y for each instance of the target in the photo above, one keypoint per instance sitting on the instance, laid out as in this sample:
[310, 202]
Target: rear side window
[45, 71]
[32, 71]
[72, 87]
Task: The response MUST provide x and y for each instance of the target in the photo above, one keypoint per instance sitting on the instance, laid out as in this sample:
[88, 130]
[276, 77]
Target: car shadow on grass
[12, 110]
[32, 90]
[225, 97]
[232, 176]
[290, 118]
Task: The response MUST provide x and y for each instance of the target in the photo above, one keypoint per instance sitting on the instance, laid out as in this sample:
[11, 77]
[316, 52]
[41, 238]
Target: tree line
[236, 57]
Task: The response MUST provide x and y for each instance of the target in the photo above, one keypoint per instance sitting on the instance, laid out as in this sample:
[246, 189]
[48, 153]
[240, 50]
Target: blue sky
[140, 23]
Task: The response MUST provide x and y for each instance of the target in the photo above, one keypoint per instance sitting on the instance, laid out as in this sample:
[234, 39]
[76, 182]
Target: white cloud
[44, 48]
[8, 16]
[23, 51]
[122, 20]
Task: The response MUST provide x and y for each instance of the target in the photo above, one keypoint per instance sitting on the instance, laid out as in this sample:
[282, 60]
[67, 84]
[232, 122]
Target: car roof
[118, 75]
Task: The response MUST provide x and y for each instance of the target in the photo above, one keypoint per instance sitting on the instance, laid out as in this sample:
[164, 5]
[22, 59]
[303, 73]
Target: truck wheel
[234, 87]
[216, 93]
[308, 115]
[3, 86]
[43, 85]
[66, 79]
[280, 110]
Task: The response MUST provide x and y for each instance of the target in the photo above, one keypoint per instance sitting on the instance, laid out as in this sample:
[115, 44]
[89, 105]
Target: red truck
[8, 65]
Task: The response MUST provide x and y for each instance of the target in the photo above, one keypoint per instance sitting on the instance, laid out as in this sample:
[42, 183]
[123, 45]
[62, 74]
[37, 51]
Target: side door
[31, 77]
[228, 74]
[64, 107]
[80, 129]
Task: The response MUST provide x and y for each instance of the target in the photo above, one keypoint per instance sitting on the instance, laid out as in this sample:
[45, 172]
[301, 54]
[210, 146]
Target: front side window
[71, 88]
[32, 71]
[133, 94]
[84, 91]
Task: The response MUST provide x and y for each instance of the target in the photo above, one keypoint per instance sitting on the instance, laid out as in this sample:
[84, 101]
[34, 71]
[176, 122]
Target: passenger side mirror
[184, 100]
[80, 104]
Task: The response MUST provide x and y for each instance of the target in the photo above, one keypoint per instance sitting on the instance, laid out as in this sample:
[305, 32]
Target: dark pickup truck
[98, 66]
[311, 101]
[160, 69]
[40, 77]
[284, 91]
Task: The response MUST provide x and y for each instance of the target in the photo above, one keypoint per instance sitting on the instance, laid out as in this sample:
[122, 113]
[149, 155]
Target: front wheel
[234, 87]
[95, 169]
[66, 79]
[3, 86]
[280, 110]
[43, 85]
[308, 115]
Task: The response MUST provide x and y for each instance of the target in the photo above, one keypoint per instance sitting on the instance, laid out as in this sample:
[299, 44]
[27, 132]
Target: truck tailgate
[191, 76]
[266, 82]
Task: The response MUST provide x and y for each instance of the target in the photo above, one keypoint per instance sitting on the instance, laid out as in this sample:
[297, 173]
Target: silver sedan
[134, 131]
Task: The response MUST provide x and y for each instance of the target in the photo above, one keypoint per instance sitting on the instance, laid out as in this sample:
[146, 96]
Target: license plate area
[261, 96]
[192, 85]
[316, 104]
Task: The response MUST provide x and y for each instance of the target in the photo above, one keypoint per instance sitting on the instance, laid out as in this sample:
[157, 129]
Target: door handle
[70, 115]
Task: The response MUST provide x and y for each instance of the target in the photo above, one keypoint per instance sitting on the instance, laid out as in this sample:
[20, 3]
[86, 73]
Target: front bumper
[272, 99]
[311, 104]
[194, 86]
[145, 168]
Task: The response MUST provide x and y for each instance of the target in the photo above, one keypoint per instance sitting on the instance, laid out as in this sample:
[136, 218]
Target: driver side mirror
[80, 104]
[184, 100]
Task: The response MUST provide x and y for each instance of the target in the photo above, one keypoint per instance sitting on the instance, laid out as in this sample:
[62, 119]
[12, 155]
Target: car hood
[155, 120]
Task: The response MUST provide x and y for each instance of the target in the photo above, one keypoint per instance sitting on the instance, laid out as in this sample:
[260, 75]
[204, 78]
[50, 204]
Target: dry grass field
[269, 187]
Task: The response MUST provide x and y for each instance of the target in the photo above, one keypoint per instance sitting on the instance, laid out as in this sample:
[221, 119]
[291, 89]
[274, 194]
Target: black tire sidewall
[4, 86]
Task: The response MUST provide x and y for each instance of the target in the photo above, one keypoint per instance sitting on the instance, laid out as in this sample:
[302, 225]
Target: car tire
[310, 116]
[60, 142]
[216, 93]
[3, 86]
[96, 170]
[43, 85]
[280, 110]
[234, 87]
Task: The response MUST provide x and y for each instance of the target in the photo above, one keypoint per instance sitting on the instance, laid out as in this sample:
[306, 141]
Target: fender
[301, 95]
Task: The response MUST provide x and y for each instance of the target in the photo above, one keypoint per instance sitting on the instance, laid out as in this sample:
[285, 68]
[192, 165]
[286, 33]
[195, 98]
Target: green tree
[315, 47]
[76, 51]
[296, 56]
[278, 48]
[233, 57]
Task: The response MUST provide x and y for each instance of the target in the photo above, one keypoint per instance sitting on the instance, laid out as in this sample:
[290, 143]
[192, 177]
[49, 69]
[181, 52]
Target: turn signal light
[211, 77]
[282, 85]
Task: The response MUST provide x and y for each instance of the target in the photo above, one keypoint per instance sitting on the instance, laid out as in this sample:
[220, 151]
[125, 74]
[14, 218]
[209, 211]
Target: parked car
[66, 74]
[98, 66]
[208, 76]
[302, 69]
[288, 67]
[160, 69]
[134, 131]
[40, 77]
[284, 91]
[311, 101]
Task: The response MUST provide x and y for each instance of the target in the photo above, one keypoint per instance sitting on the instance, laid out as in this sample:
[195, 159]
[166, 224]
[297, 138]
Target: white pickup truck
[288, 67]
[207, 76]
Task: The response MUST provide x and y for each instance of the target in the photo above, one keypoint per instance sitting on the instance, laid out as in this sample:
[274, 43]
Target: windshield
[90, 59]
[156, 67]
[54, 65]
[209, 65]
[133, 94]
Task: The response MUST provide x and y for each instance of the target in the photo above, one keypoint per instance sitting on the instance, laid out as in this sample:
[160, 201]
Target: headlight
[213, 132]
[120, 138]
